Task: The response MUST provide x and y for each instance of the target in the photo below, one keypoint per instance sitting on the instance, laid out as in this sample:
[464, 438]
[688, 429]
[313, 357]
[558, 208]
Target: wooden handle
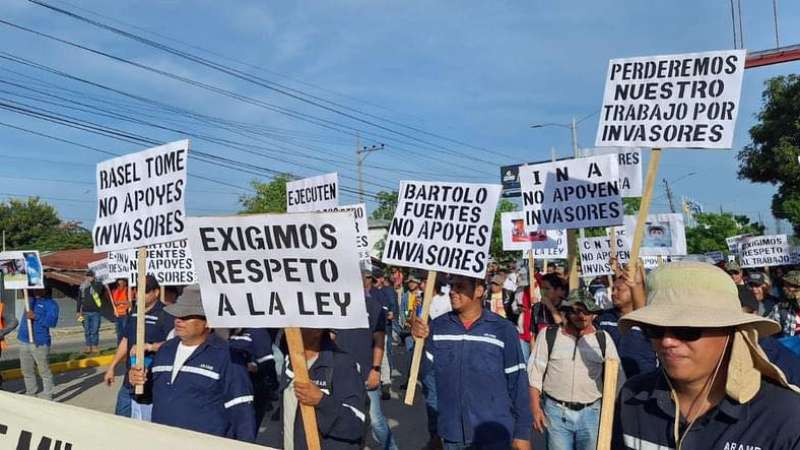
[27, 309]
[298, 357]
[419, 344]
[531, 275]
[572, 259]
[141, 288]
[644, 210]
[610, 376]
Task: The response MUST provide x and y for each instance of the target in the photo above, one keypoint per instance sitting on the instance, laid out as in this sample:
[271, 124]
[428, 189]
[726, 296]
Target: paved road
[85, 388]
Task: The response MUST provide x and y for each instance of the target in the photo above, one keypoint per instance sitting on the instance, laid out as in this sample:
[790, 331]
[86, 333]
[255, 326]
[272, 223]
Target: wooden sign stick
[141, 287]
[572, 259]
[644, 210]
[27, 309]
[297, 355]
[531, 275]
[612, 255]
[163, 293]
[610, 376]
[419, 344]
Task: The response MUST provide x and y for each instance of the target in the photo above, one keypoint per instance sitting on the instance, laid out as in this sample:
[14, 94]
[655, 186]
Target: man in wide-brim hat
[715, 388]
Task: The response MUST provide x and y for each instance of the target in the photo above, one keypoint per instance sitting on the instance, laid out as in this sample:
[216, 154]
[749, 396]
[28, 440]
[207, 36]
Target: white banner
[550, 244]
[664, 235]
[45, 424]
[596, 252]
[140, 198]
[442, 226]
[684, 101]
[630, 168]
[171, 263]
[119, 264]
[574, 193]
[313, 194]
[765, 251]
[733, 242]
[279, 270]
[22, 270]
[359, 212]
[100, 269]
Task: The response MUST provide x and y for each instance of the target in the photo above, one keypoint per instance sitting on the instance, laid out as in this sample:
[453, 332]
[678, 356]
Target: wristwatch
[376, 368]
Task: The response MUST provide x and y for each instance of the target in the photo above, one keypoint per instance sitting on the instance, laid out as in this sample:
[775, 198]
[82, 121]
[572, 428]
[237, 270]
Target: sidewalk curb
[65, 366]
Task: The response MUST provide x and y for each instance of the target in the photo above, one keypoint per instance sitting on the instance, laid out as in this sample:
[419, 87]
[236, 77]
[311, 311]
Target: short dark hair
[466, 285]
[151, 284]
[555, 281]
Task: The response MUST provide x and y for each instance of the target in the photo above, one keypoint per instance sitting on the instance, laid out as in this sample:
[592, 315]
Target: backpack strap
[550, 334]
[601, 339]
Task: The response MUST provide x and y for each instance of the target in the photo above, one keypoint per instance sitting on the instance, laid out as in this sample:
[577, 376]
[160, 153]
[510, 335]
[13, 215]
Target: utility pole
[669, 196]
[574, 138]
[361, 155]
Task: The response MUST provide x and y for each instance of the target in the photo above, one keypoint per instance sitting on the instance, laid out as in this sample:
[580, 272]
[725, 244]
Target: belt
[575, 406]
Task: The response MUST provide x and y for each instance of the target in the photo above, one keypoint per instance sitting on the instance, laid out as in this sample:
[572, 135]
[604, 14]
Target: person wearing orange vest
[5, 328]
[122, 306]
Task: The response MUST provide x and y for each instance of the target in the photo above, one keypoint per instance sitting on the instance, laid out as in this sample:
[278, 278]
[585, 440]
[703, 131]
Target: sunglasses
[790, 286]
[754, 285]
[192, 317]
[686, 334]
[576, 312]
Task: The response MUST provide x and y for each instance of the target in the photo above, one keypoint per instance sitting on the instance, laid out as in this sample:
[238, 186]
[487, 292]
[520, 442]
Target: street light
[573, 126]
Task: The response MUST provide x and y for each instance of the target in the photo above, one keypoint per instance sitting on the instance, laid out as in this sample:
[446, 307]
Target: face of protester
[621, 294]
[190, 328]
[791, 291]
[553, 295]
[150, 297]
[689, 361]
[122, 283]
[758, 290]
[496, 288]
[463, 296]
[579, 317]
[367, 281]
[736, 276]
[413, 286]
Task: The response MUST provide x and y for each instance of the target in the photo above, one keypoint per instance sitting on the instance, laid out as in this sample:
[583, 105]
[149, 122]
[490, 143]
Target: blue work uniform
[645, 418]
[211, 393]
[46, 311]
[254, 346]
[341, 418]
[635, 352]
[481, 380]
[157, 326]
[358, 342]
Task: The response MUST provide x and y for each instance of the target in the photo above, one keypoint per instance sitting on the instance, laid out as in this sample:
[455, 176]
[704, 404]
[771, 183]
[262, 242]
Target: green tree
[771, 156]
[496, 248]
[632, 205]
[269, 197]
[711, 230]
[66, 236]
[387, 203]
[31, 224]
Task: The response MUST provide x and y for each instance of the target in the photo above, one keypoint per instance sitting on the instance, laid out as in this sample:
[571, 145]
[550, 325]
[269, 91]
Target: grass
[58, 357]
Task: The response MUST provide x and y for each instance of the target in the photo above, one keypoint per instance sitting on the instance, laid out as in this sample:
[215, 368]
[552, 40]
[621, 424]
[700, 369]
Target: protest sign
[716, 256]
[41, 424]
[171, 263]
[359, 212]
[765, 251]
[684, 101]
[596, 253]
[100, 270]
[22, 270]
[279, 270]
[140, 198]
[119, 264]
[550, 244]
[574, 193]
[733, 242]
[794, 255]
[630, 168]
[313, 194]
[664, 234]
[442, 226]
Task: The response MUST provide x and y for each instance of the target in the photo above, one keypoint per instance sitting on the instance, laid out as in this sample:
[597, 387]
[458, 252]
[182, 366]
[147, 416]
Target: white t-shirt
[440, 304]
[181, 355]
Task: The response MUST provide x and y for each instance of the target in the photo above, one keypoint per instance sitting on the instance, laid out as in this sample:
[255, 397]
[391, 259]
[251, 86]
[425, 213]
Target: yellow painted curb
[65, 366]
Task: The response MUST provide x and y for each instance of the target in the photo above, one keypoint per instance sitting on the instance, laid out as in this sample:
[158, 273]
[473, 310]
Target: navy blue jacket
[359, 342]
[46, 311]
[341, 414]
[481, 380]
[254, 345]
[157, 326]
[635, 352]
[211, 394]
[782, 357]
[390, 296]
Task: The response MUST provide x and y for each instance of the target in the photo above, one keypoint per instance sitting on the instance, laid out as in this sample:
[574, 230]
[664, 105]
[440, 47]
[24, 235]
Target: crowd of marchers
[709, 358]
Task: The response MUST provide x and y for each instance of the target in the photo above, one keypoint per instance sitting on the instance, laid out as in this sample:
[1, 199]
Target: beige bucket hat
[694, 294]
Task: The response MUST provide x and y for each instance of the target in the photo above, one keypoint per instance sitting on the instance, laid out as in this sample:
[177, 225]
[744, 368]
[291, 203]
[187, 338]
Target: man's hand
[108, 378]
[31, 315]
[521, 444]
[307, 393]
[539, 420]
[420, 329]
[389, 315]
[374, 380]
[137, 376]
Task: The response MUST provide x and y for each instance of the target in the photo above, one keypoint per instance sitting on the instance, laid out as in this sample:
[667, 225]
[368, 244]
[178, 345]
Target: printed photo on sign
[551, 244]
[570, 194]
[664, 234]
[313, 194]
[684, 101]
[765, 251]
[279, 270]
[630, 168]
[22, 270]
[140, 198]
[442, 226]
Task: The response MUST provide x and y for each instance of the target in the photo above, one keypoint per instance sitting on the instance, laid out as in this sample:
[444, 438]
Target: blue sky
[477, 73]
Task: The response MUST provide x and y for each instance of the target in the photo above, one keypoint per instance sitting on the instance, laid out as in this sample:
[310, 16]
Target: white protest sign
[794, 254]
[279, 270]
[596, 254]
[716, 256]
[100, 270]
[140, 198]
[550, 244]
[313, 194]
[171, 263]
[42, 424]
[359, 212]
[664, 234]
[119, 264]
[575, 193]
[685, 101]
[733, 242]
[765, 251]
[630, 168]
[442, 226]
[22, 270]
